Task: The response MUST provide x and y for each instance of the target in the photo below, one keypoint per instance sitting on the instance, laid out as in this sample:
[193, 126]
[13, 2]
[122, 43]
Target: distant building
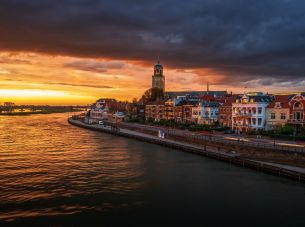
[225, 111]
[118, 117]
[297, 110]
[249, 112]
[158, 79]
[194, 94]
[277, 113]
[183, 111]
[98, 112]
[169, 109]
[103, 109]
[196, 113]
[209, 112]
[155, 110]
[135, 110]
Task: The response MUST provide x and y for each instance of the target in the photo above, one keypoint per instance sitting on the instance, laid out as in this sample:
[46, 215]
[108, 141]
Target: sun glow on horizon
[26, 96]
[25, 93]
[33, 78]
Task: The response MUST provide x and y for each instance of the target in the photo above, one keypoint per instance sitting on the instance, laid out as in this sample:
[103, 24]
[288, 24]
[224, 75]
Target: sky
[76, 51]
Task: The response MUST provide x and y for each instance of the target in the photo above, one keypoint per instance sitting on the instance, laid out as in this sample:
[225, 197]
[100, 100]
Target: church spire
[158, 80]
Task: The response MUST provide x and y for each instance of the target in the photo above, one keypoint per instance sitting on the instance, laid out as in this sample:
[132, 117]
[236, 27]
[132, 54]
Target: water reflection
[52, 173]
[43, 159]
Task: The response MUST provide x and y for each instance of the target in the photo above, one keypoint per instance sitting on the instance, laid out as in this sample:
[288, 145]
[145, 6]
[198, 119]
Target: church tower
[158, 79]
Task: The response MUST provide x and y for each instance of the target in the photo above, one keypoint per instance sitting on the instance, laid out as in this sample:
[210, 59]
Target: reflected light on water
[44, 159]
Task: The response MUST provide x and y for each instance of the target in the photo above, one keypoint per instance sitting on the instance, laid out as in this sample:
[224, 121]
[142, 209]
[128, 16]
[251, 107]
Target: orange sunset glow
[75, 53]
[32, 78]
[152, 113]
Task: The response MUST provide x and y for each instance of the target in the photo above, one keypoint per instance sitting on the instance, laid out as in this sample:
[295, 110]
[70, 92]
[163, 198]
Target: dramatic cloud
[95, 66]
[232, 41]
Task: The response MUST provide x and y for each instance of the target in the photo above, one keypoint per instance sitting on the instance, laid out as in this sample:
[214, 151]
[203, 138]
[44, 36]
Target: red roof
[227, 101]
[159, 102]
[283, 99]
[207, 98]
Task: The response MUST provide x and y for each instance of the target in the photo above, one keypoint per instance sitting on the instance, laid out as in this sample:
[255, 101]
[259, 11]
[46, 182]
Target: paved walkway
[267, 143]
[176, 142]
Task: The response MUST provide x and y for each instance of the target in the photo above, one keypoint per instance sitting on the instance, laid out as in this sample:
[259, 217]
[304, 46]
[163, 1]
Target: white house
[249, 112]
[98, 112]
[206, 112]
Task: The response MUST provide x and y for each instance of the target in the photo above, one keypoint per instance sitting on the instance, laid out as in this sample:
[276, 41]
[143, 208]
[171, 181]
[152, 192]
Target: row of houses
[106, 110]
[250, 111]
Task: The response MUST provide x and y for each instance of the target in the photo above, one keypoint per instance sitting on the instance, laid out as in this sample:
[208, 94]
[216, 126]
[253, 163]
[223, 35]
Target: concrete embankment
[208, 151]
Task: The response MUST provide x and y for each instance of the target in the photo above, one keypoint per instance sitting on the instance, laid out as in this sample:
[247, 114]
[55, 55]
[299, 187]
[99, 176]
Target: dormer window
[278, 105]
[298, 105]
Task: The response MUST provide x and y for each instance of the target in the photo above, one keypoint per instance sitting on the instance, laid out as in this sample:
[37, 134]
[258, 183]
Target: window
[272, 116]
[260, 110]
[277, 105]
[283, 116]
[259, 121]
[298, 105]
[298, 116]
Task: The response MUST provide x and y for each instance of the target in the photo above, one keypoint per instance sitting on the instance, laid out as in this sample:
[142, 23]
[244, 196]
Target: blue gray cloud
[241, 39]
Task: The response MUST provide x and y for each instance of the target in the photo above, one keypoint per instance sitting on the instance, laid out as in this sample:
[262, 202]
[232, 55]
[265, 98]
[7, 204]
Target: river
[56, 174]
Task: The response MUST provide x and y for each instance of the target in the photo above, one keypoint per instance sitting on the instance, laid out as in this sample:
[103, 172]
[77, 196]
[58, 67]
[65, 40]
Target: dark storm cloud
[95, 66]
[241, 39]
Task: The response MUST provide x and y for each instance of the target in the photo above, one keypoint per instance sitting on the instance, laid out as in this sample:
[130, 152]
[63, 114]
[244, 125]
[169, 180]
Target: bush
[287, 130]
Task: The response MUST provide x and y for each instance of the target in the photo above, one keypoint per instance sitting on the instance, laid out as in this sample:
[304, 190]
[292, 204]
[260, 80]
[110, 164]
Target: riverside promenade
[211, 151]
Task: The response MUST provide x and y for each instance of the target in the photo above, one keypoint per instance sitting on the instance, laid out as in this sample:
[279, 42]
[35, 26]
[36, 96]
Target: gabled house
[297, 110]
[277, 113]
[225, 111]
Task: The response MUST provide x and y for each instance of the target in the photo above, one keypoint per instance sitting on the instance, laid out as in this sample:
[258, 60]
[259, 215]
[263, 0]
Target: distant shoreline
[38, 112]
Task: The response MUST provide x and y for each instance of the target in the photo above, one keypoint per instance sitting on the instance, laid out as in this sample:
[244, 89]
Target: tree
[152, 94]
[8, 106]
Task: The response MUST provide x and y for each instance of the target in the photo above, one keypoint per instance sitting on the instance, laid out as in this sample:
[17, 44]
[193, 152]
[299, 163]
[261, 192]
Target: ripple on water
[44, 160]
[49, 168]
